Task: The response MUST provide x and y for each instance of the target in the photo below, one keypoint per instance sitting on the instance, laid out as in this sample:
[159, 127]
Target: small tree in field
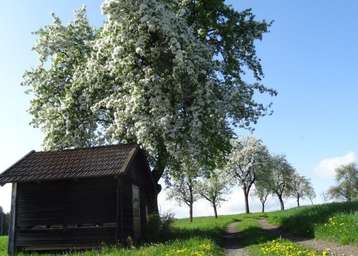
[245, 163]
[213, 188]
[183, 190]
[301, 188]
[347, 187]
[263, 186]
[262, 191]
[281, 178]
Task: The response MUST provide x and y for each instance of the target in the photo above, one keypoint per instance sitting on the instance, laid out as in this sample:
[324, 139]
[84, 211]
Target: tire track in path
[232, 241]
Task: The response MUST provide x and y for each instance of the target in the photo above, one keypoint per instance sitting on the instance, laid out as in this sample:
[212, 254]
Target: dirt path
[231, 241]
[319, 245]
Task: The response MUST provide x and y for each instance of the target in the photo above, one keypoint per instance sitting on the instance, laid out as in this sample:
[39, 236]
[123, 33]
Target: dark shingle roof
[71, 163]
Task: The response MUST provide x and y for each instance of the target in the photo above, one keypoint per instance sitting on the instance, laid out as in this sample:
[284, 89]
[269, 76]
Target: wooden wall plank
[118, 211]
[67, 212]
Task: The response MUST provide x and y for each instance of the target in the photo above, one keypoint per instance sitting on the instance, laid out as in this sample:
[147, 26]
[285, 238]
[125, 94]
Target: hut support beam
[119, 211]
[12, 226]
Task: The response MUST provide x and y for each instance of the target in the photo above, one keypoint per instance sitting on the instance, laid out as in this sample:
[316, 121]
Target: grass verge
[336, 221]
[193, 246]
[342, 228]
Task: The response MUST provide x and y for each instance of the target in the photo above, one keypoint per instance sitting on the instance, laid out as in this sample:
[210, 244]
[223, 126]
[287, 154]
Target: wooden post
[12, 224]
[119, 211]
[2, 216]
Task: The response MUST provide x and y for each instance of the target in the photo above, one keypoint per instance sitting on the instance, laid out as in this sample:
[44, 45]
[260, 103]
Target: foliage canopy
[167, 75]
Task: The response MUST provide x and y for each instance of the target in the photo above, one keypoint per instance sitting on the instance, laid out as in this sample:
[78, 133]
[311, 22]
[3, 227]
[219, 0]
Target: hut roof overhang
[111, 160]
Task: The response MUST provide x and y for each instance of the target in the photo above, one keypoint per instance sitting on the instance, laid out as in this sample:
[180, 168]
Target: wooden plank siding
[73, 213]
[127, 223]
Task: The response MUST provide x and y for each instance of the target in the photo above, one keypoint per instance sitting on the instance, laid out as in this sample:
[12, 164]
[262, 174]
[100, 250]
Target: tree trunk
[215, 211]
[157, 173]
[298, 200]
[191, 202]
[247, 207]
[349, 198]
[311, 201]
[262, 207]
[191, 212]
[153, 203]
[281, 202]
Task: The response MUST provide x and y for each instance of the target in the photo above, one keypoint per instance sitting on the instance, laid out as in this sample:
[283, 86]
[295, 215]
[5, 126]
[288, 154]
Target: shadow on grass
[256, 235]
[215, 234]
[250, 236]
[302, 221]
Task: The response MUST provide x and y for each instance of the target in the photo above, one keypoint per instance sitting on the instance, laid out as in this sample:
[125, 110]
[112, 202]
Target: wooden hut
[78, 198]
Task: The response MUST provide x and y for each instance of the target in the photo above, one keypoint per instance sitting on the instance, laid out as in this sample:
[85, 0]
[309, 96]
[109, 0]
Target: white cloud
[326, 167]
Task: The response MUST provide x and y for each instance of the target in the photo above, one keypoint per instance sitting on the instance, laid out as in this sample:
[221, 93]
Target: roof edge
[17, 162]
[134, 152]
[129, 159]
[89, 148]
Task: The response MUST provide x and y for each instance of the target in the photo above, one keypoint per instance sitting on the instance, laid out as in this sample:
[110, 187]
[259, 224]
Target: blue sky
[310, 56]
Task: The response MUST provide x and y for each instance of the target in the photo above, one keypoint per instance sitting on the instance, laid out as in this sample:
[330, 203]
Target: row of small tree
[283, 181]
[188, 190]
[248, 165]
[251, 164]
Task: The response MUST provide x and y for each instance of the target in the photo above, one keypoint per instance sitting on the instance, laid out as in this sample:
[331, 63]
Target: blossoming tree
[214, 187]
[263, 191]
[301, 188]
[164, 74]
[246, 163]
[281, 179]
[184, 190]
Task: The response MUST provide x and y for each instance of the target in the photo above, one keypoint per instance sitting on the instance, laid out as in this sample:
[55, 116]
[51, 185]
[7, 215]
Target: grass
[193, 246]
[207, 227]
[342, 228]
[336, 221]
[3, 245]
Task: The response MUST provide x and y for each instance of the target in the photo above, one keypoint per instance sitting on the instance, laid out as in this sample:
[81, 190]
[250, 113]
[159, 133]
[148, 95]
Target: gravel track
[232, 241]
